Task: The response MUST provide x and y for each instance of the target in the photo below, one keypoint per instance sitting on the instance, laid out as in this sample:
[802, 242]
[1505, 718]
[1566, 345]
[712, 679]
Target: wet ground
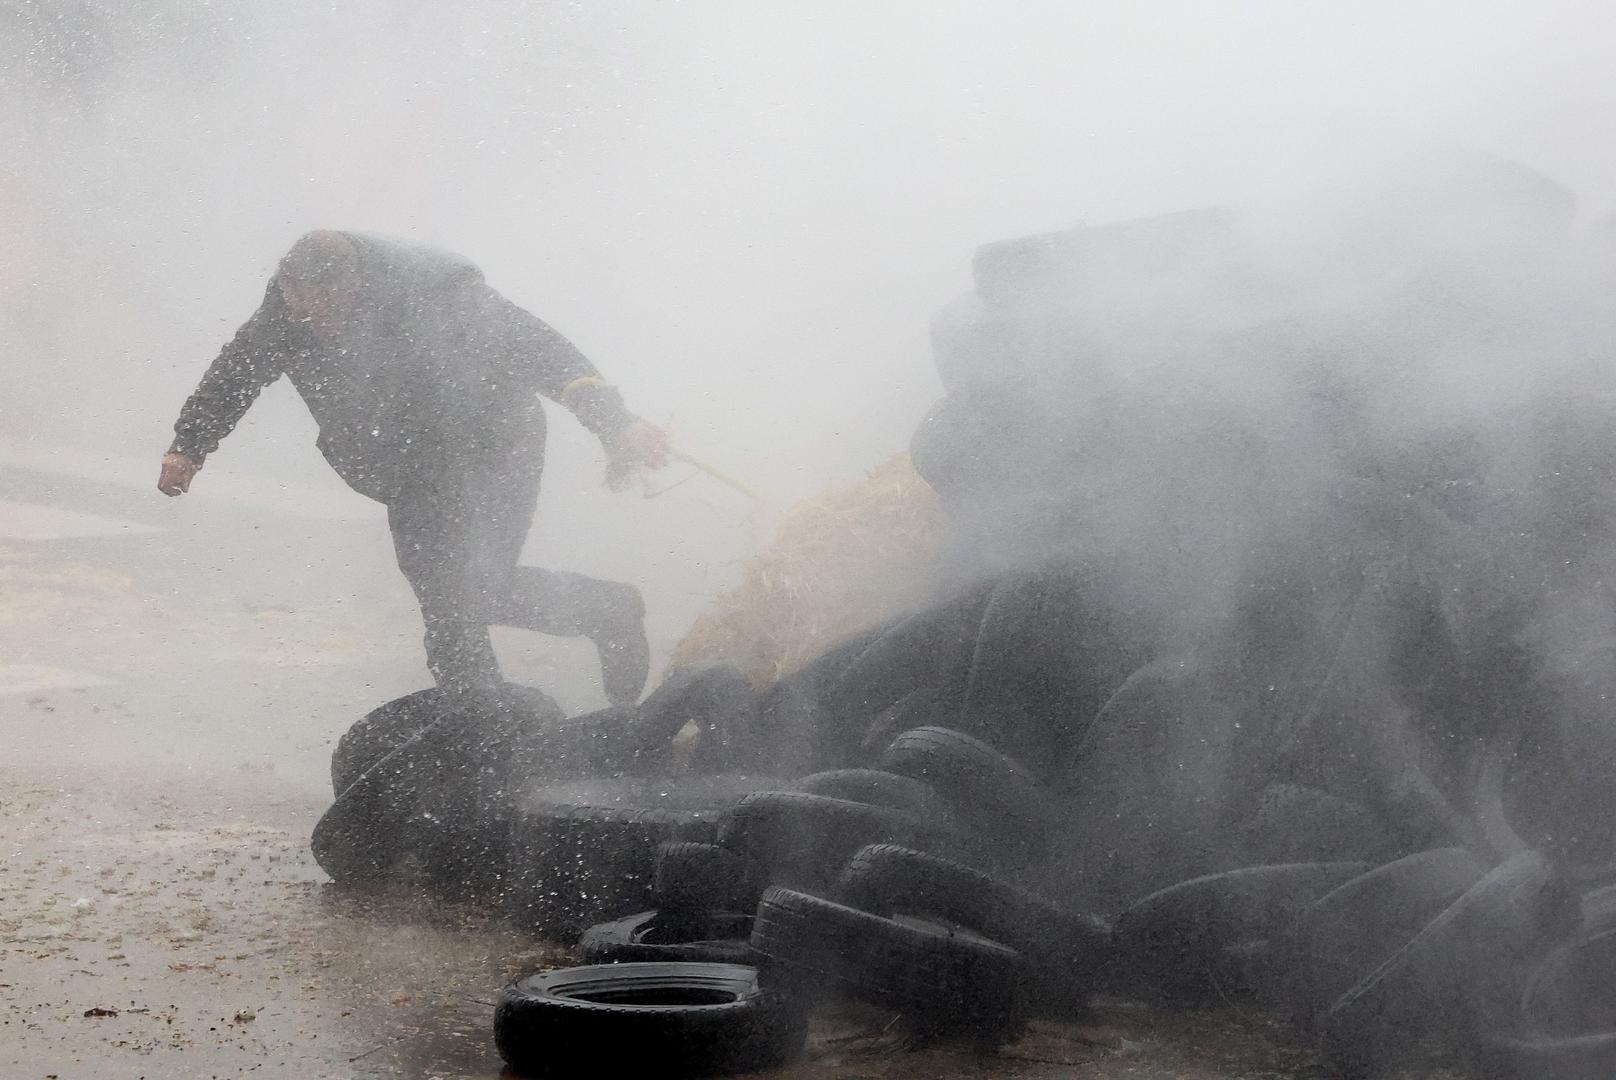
[173, 676]
[154, 933]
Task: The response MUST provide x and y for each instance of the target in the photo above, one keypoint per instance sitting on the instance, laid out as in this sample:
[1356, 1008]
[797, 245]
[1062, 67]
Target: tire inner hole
[662, 995]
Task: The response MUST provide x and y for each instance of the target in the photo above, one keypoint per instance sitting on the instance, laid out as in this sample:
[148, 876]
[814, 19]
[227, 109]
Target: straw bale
[840, 561]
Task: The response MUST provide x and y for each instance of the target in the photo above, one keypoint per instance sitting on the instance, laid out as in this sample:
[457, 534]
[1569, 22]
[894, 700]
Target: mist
[725, 204]
[765, 223]
[745, 215]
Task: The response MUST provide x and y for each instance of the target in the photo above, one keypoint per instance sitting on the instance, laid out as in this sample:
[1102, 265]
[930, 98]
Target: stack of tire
[876, 885]
[1489, 964]
[1022, 660]
[1492, 965]
[1044, 416]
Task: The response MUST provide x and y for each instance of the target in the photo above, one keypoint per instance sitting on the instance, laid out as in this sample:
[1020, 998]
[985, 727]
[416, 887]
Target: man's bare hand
[639, 445]
[178, 471]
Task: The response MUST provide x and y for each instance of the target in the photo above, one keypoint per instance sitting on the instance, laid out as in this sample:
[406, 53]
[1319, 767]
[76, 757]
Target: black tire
[1028, 273]
[970, 347]
[958, 448]
[432, 813]
[646, 1020]
[1296, 824]
[359, 846]
[928, 650]
[696, 877]
[807, 839]
[718, 699]
[941, 979]
[670, 937]
[888, 879]
[1465, 965]
[1599, 909]
[929, 705]
[985, 788]
[1018, 271]
[378, 733]
[1356, 926]
[793, 733]
[586, 851]
[1177, 941]
[1571, 992]
[1583, 1057]
[878, 788]
[1069, 952]
[387, 727]
[1025, 692]
[606, 742]
[1567, 1026]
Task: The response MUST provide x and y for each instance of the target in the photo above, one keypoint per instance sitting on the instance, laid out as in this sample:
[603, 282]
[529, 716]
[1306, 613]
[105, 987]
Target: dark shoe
[625, 654]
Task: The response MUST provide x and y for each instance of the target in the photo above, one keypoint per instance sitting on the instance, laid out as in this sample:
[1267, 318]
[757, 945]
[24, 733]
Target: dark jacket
[433, 370]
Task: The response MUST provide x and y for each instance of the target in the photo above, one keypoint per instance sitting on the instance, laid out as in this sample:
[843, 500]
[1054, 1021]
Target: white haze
[745, 213]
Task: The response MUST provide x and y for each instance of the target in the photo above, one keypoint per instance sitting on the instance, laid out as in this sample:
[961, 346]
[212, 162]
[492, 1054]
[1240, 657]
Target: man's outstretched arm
[252, 360]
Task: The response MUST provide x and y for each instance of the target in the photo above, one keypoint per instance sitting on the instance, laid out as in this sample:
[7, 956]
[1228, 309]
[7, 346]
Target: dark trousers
[458, 531]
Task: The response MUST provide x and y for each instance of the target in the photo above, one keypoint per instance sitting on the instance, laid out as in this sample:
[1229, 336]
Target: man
[423, 380]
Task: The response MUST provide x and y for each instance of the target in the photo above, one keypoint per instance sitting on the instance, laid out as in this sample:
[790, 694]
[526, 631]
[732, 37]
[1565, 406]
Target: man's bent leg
[503, 492]
[429, 535]
[609, 613]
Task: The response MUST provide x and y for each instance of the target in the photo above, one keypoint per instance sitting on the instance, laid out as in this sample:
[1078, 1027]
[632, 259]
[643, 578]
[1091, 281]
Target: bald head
[318, 278]
[319, 258]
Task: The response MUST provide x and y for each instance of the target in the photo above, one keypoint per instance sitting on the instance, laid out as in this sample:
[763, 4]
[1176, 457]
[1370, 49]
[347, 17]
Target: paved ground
[173, 676]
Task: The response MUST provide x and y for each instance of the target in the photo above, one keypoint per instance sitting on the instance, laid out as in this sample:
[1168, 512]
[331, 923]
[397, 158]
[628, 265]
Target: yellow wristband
[578, 384]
